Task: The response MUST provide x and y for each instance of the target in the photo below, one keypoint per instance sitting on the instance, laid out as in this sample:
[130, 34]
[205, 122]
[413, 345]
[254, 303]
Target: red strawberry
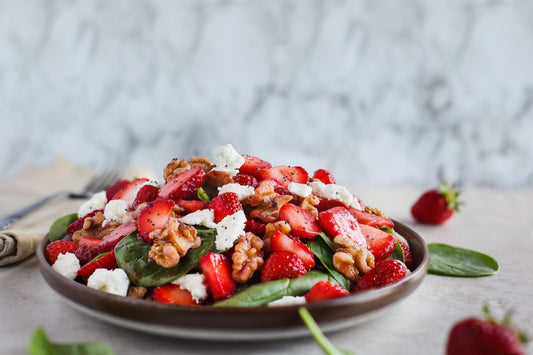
[284, 175]
[183, 185]
[112, 238]
[255, 227]
[192, 205]
[53, 249]
[254, 165]
[436, 206]
[107, 261]
[325, 176]
[303, 223]
[381, 244]
[217, 272]
[173, 294]
[371, 219]
[326, 204]
[129, 191]
[282, 242]
[324, 290]
[282, 265]
[246, 180]
[339, 221]
[114, 188]
[78, 224]
[407, 255]
[224, 205]
[386, 272]
[147, 193]
[154, 216]
[87, 249]
[487, 336]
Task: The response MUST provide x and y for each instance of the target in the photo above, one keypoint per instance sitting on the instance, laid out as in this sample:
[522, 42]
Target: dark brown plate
[250, 323]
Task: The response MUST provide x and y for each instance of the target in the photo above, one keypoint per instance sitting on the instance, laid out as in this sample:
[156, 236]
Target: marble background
[380, 92]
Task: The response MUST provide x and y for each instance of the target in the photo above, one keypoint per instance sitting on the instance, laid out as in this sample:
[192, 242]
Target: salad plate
[238, 323]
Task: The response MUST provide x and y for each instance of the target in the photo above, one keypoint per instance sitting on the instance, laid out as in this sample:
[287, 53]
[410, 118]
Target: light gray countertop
[496, 222]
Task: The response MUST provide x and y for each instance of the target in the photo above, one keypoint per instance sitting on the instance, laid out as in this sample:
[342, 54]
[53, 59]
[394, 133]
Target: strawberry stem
[451, 195]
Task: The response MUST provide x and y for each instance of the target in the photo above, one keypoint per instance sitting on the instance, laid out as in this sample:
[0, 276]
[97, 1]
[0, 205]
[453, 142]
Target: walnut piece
[172, 243]
[375, 211]
[217, 178]
[137, 292]
[351, 260]
[92, 228]
[247, 257]
[178, 166]
[266, 202]
[308, 203]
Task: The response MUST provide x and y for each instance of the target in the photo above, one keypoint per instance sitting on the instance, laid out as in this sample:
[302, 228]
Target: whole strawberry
[485, 336]
[436, 206]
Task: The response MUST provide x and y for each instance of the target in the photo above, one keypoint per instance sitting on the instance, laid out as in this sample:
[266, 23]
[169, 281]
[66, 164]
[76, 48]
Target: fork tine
[103, 179]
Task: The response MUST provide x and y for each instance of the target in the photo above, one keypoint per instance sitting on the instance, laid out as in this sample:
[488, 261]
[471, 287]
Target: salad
[234, 231]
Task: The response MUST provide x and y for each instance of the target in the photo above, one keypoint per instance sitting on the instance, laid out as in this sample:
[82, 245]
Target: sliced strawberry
[381, 244]
[53, 249]
[371, 219]
[173, 294]
[255, 227]
[192, 205]
[147, 193]
[407, 255]
[324, 290]
[254, 165]
[154, 216]
[282, 265]
[339, 221]
[107, 261]
[114, 188]
[246, 180]
[282, 242]
[112, 238]
[129, 191]
[183, 185]
[224, 205]
[87, 249]
[326, 204]
[325, 176]
[284, 175]
[303, 223]
[217, 272]
[78, 224]
[386, 272]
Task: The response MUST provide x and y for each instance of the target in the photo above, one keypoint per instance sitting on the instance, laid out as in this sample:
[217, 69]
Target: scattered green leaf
[41, 345]
[448, 260]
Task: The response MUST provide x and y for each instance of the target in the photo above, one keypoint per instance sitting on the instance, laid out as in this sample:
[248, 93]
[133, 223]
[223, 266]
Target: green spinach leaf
[448, 260]
[41, 345]
[324, 254]
[132, 256]
[202, 195]
[397, 253]
[58, 229]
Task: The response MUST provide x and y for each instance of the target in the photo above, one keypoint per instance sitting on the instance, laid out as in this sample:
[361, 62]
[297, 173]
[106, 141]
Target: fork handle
[9, 219]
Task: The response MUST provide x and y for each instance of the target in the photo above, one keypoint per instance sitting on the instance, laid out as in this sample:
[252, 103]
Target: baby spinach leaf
[448, 260]
[202, 195]
[397, 253]
[132, 256]
[58, 229]
[41, 345]
[324, 254]
[263, 293]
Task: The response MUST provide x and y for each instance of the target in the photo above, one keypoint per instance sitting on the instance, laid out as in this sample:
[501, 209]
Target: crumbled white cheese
[96, 202]
[111, 281]
[67, 264]
[117, 211]
[195, 284]
[229, 229]
[288, 301]
[227, 159]
[302, 190]
[204, 218]
[241, 190]
[332, 192]
[355, 203]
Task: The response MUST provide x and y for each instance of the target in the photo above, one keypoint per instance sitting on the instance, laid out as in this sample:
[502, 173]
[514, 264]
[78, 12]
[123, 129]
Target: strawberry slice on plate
[53, 249]
[191, 205]
[303, 223]
[114, 188]
[324, 290]
[183, 185]
[174, 294]
[147, 193]
[224, 205]
[381, 244]
[325, 176]
[282, 265]
[154, 216]
[284, 175]
[107, 261]
[112, 238]
[217, 272]
[254, 166]
[371, 219]
[245, 180]
[339, 221]
[129, 191]
[87, 249]
[282, 242]
[386, 272]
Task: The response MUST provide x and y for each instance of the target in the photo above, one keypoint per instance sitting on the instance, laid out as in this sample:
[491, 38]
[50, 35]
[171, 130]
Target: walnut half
[247, 257]
[351, 260]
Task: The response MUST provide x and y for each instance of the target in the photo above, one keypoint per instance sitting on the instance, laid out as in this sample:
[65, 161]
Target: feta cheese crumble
[96, 202]
[117, 211]
[204, 218]
[195, 284]
[67, 264]
[227, 159]
[288, 301]
[332, 192]
[241, 190]
[229, 229]
[302, 190]
[111, 281]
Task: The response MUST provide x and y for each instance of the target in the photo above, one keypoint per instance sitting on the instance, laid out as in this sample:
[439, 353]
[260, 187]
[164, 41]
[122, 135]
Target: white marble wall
[381, 92]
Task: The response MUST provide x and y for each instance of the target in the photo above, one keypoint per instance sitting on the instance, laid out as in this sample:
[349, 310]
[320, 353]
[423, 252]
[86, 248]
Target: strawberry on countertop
[436, 206]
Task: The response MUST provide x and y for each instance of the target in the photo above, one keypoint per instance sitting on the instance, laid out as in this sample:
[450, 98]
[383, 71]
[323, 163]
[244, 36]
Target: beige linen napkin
[22, 238]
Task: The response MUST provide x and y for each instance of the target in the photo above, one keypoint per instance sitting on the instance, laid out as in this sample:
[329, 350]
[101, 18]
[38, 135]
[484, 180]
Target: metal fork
[97, 183]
